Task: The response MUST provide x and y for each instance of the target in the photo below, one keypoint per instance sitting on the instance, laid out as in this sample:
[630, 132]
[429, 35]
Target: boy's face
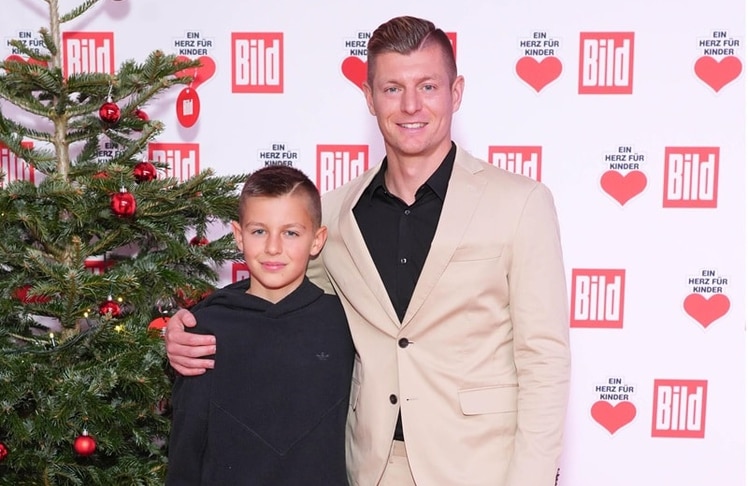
[277, 237]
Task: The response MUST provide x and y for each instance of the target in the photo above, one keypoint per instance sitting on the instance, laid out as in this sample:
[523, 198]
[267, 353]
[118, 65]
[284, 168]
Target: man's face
[413, 100]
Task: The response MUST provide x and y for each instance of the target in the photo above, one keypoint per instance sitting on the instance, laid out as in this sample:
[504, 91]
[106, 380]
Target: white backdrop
[633, 113]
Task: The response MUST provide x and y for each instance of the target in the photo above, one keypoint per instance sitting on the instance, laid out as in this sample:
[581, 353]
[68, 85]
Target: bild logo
[523, 160]
[239, 271]
[679, 408]
[338, 164]
[597, 298]
[257, 62]
[88, 52]
[182, 159]
[606, 62]
[14, 169]
[691, 177]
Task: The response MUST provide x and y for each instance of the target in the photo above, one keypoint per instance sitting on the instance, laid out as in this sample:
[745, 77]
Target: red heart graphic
[717, 73]
[200, 74]
[17, 58]
[354, 69]
[613, 417]
[623, 187]
[538, 74]
[704, 310]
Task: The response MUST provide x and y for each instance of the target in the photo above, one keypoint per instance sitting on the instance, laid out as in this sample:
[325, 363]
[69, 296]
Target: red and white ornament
[109, 112]
[188, 107]
[110, 307]
[144, 171]
[84, 444]
[199, 241]
[123, 203]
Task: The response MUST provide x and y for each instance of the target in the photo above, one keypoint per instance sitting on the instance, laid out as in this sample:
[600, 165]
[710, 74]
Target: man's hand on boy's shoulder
[184, 349]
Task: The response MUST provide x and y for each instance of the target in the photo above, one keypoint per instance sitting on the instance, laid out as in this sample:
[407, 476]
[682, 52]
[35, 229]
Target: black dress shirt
[399, 236]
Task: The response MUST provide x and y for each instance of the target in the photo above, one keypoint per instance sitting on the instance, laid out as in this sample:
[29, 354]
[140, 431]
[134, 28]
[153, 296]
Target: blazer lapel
[359, 253]
[463, 194]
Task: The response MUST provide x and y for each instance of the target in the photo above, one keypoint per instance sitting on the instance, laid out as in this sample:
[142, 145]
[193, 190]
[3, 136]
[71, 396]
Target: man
[451, 275]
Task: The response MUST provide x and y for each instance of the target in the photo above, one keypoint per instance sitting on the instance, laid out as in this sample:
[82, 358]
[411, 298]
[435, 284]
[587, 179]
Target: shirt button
[403, 342]
[403, 261]
[407, 212]
[393, 399]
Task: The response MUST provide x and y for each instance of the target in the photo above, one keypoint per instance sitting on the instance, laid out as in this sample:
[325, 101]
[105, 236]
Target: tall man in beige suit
[450, 271]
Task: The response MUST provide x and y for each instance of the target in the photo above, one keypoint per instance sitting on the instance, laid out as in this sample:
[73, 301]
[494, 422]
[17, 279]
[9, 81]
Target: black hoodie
[273, 410]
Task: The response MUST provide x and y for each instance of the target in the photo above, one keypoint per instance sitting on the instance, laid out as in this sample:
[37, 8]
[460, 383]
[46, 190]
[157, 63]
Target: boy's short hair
[280, 180]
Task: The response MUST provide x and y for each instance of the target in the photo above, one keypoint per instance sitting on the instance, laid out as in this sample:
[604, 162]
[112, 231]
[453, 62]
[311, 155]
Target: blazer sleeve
[539, 311]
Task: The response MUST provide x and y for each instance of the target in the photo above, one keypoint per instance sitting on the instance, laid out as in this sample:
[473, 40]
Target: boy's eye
[292, 233]
[258, 231]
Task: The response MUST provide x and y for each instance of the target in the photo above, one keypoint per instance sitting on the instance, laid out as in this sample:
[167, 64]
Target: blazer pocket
[489, 399]
[477, 252]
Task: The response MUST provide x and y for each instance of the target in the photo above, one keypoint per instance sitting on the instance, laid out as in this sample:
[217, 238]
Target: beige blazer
[480, 364]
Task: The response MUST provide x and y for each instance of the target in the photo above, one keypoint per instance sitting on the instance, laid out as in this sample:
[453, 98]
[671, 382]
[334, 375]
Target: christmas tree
[92, 249]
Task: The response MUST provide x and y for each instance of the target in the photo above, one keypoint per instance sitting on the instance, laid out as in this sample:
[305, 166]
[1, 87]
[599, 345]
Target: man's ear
[320, 237]
[369, 97]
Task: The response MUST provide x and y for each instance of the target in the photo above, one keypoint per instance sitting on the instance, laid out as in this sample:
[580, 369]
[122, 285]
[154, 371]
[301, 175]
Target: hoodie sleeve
[188, 437]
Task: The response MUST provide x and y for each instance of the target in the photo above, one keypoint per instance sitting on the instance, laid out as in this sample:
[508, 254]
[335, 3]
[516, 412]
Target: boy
[273, 410]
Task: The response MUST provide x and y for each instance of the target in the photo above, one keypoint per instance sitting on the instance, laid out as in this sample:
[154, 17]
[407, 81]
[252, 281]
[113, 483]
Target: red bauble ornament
[109, 112]
[142, 115]
[202, 241]
[123, 203]
[84, 444]
[144, 171]
[157, 326]
[110, 307]
[3, 451]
